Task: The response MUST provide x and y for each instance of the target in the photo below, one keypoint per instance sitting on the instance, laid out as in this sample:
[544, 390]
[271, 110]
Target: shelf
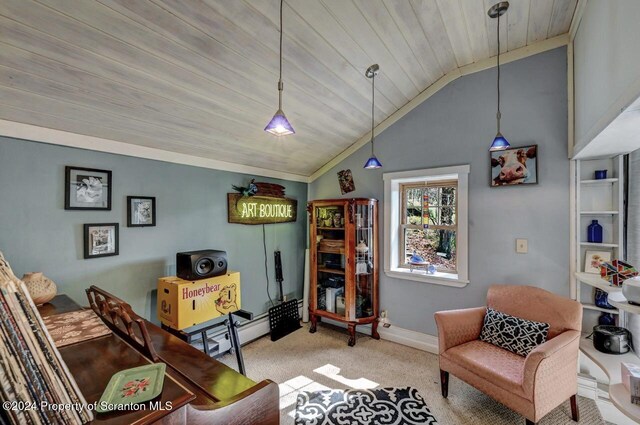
[599, 212]
[603, 245]
[330, 228]
[332, 271]
[610, 365]
[331, 251]
[596, 308]
[599, 181]
[620, 302]
[621, 398]
[596, 281]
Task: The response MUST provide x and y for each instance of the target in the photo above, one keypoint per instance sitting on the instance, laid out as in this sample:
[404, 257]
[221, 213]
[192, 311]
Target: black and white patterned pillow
[517, 335]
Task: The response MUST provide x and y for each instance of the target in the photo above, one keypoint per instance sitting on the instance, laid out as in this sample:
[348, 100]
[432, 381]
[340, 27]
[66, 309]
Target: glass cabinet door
[364, 261]
[331, 258]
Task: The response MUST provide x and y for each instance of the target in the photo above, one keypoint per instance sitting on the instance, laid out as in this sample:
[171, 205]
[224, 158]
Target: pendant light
[279, 124]
[371, 72]
[499, 143]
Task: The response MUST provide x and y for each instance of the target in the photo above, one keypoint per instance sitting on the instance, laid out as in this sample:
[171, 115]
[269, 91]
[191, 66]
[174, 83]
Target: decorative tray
[132, 386]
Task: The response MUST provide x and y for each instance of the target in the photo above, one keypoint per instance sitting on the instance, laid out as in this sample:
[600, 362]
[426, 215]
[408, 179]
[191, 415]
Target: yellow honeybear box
[185, 303]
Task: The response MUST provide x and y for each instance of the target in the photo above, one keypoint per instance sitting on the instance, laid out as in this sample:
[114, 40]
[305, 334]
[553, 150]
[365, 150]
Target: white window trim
[392, 196]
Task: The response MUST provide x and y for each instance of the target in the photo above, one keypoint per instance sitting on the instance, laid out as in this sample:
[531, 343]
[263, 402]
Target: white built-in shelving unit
[601, 200]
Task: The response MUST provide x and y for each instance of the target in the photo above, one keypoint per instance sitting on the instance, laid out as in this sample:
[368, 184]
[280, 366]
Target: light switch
[522, 247]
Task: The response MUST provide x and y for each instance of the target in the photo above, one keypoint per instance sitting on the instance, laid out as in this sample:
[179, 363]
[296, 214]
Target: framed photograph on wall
[141, 211]
[593, 260]
[514, 166]
[100, 240]
[345, 179]
[87, 189]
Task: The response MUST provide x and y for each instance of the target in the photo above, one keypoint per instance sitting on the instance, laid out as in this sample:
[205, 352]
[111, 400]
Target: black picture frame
[134, 218]
[94, 243]
[530, 154]
[82, 184]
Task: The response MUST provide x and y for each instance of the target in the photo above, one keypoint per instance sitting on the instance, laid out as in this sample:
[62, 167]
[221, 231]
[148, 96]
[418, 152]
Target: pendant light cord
[280, 84]
[373, 103]
[498, 115]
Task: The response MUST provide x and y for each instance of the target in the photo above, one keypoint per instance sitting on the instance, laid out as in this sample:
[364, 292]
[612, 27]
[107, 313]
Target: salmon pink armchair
[531, 386]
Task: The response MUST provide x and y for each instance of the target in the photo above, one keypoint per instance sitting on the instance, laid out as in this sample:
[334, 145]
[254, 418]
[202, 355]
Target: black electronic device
[196, 265]
[611, 339]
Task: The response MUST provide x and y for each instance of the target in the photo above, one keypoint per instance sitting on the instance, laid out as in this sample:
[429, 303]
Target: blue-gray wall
[37, 234]
[456, 126]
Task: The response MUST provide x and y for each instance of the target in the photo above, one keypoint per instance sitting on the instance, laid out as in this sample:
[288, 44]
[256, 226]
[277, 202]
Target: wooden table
[201, 389]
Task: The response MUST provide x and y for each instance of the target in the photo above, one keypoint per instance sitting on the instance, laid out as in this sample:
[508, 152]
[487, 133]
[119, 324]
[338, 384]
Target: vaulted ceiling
[199, 77]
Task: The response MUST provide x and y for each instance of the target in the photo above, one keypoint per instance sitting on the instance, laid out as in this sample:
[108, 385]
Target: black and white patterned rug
[383, 406]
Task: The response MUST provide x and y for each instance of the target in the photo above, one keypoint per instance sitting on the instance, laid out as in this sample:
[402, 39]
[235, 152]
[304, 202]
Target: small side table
[232, 327]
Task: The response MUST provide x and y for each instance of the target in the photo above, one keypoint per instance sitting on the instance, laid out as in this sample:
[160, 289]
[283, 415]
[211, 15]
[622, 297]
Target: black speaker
[195, 265]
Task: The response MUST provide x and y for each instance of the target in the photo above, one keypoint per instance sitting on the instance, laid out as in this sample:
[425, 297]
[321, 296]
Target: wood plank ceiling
[199, 77]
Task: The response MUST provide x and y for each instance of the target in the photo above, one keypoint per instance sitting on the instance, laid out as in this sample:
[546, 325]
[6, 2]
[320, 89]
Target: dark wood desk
[201, 389]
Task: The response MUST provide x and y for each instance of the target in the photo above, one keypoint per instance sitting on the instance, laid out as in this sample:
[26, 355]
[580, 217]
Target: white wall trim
[576, 19]
[63, 138]
[521, 53]
[419, 340]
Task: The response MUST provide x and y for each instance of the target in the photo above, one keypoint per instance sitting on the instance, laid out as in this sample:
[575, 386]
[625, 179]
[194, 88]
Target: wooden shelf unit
[360, 288]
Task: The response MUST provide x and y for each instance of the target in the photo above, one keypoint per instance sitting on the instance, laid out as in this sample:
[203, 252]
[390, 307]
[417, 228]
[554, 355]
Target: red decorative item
[617, 272]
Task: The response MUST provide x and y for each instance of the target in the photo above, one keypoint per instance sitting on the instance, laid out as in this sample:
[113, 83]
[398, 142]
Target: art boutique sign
[260, 209]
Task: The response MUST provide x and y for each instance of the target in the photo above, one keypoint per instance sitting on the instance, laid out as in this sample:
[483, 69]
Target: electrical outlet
[522, 246]
[384, 319]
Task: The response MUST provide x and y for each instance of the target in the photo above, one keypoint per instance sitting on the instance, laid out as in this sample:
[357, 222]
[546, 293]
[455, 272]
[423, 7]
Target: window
[428, 228]
[426, 213]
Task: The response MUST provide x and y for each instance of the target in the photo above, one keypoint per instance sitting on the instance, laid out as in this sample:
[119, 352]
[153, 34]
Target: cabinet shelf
[330, 228]
[603, 245]
[332, 271]
[599, 181]
[596, 281]
[599, 212]
[610, 365]
[596, 308]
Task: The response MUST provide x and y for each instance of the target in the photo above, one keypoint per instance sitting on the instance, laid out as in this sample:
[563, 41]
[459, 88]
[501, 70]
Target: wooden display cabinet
[344, 263]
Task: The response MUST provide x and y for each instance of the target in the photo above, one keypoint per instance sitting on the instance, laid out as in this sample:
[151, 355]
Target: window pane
[447, 216]
[434, 215]
[448, 196]
[414, 206]
[438, 247]
[434, 196]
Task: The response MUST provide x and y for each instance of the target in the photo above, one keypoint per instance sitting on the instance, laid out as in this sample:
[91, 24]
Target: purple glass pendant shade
[499, 143]
[372, 163]
[371, 72]
[279, 125]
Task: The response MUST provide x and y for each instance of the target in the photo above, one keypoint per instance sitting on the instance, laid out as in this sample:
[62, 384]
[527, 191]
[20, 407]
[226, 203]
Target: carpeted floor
[307, 362]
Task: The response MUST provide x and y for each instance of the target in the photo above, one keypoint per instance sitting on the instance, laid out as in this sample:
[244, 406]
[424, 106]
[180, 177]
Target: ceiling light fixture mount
[279, 124]
[371, 72]
[497, 10]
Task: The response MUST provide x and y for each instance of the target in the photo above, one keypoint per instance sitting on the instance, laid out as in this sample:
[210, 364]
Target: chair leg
[575, 413]
[444, 383]
[530, 422]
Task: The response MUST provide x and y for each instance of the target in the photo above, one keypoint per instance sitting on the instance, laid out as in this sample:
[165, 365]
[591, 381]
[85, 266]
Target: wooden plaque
[260, 209]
